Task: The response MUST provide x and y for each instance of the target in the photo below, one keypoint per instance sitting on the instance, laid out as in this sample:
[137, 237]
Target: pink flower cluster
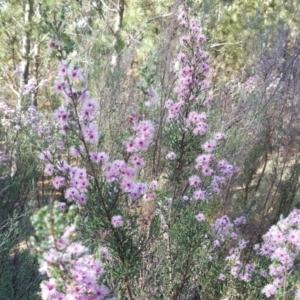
[77, 103]
[281, 244]
[78, 115]
[223, 227]
[125, 174]
[73, 273]
[77, 178]
[228, 231]
[206, 163]
[193, 71]
[196, 122]
[192, 74]
[144, 131]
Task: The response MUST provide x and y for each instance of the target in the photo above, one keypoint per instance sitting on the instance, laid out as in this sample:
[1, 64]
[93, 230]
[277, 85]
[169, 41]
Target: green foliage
[19, 173]
[50, 223]
[19, 276]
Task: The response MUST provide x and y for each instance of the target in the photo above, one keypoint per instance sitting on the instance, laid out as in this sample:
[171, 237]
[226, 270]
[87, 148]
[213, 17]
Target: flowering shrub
[106, 190]
[72, 272]
[281, 244]
[156, 195]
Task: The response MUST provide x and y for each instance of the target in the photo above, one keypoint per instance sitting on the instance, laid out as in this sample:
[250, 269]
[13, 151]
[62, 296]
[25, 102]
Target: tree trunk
[25, 51]
[117, 31]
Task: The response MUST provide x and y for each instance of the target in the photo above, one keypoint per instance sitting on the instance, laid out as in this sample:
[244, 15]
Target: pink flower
[117, 221]
[101, 292]
[81, 199]
[63, 166]
[207, 171]
[263, 273]
[134, 193]
[90, 133]
[59, 86]
[145, 129]
[141, 143]
[204, 84]
[200, 217]
[153, 185]
[293, 236]
[59, 182]
[71, 194]
[62, 69]
[82, 184]
[127, 171]
[240, 221]
[234, 271]
[222, 277]
[98, 157]
[76, 249]
[216, 244]
[201, 39]
[119, 164]
[142, 187]
[205, 67]
[74, 151]
[94, 157]
[194, 180]
[233, 235]
[199, 195]
[111, 173]
[62, 206]
[171, 156]
[51, 45]
[246, 277]
[219, 136]
[269, 290]
[242, 244]
[201, 129]
[48, 289]
[204, 160]
[149, 197]
[169, 103]
[194, 25]
[131, 146]
[127, 184]
[81, 271]
[285, 257]
[74, 73]
[137, 161]
[209, 146]
[45, 155]
[89, 109]
[103, 157]
[249, 268]
[49, 169]
[61, 115]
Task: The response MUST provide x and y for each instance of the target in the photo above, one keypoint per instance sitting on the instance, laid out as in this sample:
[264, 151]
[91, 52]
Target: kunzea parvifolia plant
[179, 254]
